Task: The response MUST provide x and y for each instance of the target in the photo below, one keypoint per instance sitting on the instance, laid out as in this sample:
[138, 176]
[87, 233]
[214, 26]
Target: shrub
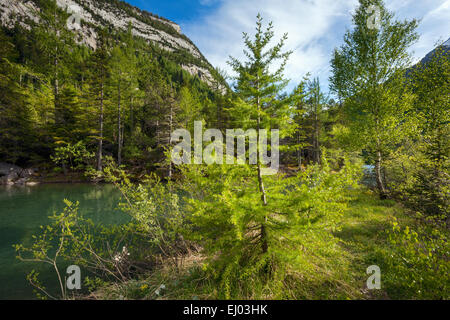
[417, 261]
[226, 216]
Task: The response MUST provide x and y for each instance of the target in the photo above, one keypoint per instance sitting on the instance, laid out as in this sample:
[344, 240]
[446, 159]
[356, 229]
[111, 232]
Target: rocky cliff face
[88, 15]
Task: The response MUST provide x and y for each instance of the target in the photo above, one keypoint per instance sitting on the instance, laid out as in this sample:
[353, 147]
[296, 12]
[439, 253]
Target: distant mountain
[117, 15]
[429, 56]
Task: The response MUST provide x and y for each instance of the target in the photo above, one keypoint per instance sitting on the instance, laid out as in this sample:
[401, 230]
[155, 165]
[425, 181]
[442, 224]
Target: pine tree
[15, 118]
[258, 88]
[162, 111]
[190, 108]
[124, 79]
[315, 106]
[298, 143]
[251, 226]
[99, 77]
[55, 42]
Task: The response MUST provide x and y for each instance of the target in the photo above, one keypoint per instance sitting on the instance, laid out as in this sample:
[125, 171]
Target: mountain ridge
[95, 14]
[429, 56]
[445, 45]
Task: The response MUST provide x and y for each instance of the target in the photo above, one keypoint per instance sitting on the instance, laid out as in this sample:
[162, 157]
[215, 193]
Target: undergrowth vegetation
[196, 240]
[229, 231]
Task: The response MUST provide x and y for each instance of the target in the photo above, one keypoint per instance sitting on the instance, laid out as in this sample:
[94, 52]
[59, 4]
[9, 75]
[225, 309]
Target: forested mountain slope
[442, 49]
[445, 46]
[117, 85]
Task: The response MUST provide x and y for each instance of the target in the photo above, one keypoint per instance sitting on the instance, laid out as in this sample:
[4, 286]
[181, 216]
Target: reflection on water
[24, 209]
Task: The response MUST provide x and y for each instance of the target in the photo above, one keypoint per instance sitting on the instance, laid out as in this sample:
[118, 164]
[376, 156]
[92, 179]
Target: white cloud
[315, 27]
[434, 26]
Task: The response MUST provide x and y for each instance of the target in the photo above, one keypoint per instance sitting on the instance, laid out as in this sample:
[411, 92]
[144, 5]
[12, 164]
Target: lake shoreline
[48, 179]
[25, 209]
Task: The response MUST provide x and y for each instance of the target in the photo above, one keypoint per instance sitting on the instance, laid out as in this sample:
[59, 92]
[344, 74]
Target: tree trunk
[100, 140]
[131, 116]
[170, 132]
[299, 151]
[263, 230]
[64, 167]
[316, 136]
[56, 62]
[119, 127]
[379, 177]
[56, 82]
[262, 190]
[158, 142]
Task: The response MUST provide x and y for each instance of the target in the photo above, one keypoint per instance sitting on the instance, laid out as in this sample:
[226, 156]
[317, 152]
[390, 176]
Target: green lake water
[24, 209]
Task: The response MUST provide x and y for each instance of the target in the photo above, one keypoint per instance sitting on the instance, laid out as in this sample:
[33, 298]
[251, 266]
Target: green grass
[332, 264]
[363, 234]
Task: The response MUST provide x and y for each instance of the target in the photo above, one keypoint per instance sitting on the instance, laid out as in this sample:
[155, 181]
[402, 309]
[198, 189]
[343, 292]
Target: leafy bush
[74, 156]
[107, 252]
[418, 261]
[155, 209]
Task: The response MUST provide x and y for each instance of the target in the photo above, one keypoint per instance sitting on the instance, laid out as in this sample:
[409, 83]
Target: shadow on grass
[369, 230]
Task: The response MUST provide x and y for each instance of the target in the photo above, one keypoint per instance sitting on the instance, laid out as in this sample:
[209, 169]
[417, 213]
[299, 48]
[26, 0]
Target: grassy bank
[334, 265]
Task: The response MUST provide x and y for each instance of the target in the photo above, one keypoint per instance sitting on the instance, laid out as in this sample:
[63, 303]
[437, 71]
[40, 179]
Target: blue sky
[315, 27]
[180, 11]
